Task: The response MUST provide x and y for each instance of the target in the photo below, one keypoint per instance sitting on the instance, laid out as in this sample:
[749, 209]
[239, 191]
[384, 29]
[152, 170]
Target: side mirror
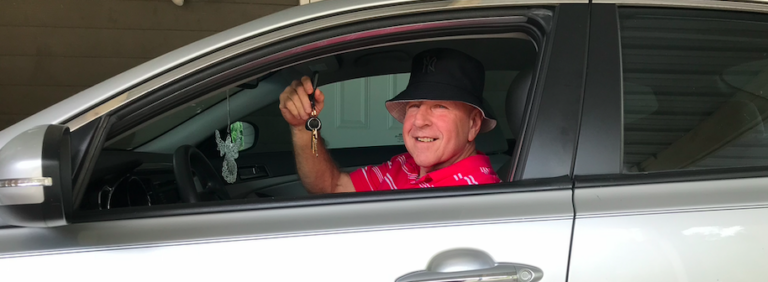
[36, 177]
[248, 132]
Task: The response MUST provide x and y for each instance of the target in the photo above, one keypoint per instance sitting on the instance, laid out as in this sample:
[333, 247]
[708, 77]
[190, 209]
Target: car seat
[514, 105]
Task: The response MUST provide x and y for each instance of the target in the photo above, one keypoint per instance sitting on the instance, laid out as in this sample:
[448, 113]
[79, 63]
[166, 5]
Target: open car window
[357, 128]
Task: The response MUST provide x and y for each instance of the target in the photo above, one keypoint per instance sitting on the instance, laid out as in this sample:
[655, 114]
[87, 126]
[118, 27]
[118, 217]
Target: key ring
[313, 123]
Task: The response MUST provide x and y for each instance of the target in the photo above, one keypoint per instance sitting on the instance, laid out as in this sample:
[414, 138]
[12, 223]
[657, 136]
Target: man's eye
[414, 106]
[441, 107]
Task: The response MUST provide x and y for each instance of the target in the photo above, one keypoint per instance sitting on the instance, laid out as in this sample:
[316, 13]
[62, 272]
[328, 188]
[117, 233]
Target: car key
[313, 123]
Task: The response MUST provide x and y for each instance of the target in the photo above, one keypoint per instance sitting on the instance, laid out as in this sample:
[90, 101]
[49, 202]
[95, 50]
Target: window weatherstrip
[744, 6]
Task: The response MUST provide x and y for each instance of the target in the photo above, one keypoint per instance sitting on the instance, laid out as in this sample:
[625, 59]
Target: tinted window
[695, 89]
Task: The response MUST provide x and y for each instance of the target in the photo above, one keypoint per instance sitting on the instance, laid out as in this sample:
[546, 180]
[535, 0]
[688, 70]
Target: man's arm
[318, 174]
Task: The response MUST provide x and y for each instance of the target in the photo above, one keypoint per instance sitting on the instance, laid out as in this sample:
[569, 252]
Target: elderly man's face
[438, 133]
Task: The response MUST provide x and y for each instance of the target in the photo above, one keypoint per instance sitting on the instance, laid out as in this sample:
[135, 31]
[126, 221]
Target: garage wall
[51, 49]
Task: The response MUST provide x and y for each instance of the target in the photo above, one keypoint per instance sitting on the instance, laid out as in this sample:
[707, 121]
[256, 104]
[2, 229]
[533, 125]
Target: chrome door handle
[468, 265]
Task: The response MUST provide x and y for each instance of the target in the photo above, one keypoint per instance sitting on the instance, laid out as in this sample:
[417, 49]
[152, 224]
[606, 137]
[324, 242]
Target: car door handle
[469, 265]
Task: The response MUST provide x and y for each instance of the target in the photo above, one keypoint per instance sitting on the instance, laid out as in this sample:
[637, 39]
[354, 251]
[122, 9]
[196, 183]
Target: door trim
[744, 6]
[600, 145]
[212, 226]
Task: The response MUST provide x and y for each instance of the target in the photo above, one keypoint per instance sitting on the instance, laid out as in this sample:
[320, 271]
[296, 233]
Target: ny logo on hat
[429, 64]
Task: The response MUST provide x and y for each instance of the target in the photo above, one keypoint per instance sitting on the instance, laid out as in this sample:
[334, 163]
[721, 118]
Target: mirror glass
[246, 131]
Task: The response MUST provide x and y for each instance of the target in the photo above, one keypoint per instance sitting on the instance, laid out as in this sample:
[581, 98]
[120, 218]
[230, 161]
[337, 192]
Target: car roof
[60, 112]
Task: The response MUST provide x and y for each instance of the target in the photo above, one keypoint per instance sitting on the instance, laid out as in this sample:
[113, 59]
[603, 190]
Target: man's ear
[475, 121]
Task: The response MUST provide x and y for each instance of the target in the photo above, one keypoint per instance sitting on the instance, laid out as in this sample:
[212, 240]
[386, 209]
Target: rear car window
[695, 89]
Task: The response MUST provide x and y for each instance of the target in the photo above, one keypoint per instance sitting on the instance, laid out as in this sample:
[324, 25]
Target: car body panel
[677, 225]
[377, 241]
[509, 207]
[355, 256]
[714, 245]
[685, 231]
[672, 197]
[722, 245]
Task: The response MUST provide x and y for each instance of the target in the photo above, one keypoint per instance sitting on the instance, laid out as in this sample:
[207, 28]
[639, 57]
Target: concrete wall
[51, 49]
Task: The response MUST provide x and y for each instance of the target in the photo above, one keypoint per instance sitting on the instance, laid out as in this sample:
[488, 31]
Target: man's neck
[468, 152]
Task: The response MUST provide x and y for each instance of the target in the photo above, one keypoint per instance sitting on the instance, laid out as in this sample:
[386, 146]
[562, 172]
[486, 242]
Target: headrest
[515, 102]
[491, 142]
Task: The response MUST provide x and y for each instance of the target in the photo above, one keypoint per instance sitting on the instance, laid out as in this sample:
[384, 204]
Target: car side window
[695, 89]
[355, 116]
[146, 165]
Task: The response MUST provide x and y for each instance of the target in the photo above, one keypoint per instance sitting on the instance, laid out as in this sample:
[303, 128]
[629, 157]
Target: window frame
[604, 90]
[550, 56]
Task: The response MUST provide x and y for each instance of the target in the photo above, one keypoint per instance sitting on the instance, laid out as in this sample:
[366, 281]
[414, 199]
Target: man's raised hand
[294, 102]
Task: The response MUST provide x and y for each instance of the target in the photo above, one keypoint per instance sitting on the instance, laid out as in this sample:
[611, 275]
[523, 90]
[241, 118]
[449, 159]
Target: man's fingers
[286, 93]
[295, 84]
[304, 99]
[298, 91]
[319, 96]
[319, 100]
[301, 108]
[289, 117]
[306, 83]
[291, 107]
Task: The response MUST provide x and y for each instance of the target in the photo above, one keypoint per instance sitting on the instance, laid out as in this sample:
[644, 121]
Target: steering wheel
[188, 164]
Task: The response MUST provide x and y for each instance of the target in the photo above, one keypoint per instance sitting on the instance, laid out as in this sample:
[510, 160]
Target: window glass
[695, 89]
[168, 121]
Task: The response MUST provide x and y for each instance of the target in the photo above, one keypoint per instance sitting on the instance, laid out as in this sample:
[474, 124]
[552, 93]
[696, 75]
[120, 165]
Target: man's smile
[426, 139]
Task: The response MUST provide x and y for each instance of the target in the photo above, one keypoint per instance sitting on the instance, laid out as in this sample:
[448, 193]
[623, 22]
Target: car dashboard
[131, 184]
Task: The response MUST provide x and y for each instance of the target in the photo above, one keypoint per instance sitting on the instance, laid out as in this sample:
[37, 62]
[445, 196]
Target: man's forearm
[318, 174]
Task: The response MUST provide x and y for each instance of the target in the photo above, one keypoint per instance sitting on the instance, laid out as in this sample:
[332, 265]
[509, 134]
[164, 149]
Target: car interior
[143, 166]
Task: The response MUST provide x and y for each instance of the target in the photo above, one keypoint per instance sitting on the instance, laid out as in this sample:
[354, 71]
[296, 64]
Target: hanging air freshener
[230, 148]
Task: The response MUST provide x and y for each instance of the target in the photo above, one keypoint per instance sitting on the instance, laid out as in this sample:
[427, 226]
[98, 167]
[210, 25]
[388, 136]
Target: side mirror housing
[36, 177]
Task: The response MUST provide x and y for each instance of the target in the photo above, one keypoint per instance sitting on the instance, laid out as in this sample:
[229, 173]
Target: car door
[671, 164]
[511, 231]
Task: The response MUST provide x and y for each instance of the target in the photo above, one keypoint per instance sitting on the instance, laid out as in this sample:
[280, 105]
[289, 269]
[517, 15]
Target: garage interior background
[52, 49]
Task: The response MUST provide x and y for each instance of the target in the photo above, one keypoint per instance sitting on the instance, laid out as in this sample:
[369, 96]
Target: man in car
[442, 114]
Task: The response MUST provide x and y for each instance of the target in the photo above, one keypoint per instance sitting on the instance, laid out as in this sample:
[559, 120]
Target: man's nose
[422, 117]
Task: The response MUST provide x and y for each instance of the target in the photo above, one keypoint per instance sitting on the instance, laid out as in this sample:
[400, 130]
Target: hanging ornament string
[229, 149]
[229, 122]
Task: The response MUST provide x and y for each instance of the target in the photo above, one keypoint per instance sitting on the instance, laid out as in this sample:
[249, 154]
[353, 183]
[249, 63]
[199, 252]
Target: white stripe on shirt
[366, 178]
[391, 182]
[391, 185]
[378, 173]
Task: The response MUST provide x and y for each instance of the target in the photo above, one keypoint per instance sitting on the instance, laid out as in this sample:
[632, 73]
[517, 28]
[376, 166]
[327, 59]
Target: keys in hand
[313, 123]
[295, 105]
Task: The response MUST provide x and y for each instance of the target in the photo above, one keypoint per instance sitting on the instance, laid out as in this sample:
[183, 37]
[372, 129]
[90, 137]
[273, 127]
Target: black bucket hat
[443, 75]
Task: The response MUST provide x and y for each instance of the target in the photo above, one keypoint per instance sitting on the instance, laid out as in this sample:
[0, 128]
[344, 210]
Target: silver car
[632, 146]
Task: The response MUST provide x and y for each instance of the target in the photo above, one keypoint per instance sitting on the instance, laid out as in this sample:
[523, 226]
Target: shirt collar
[478, 160]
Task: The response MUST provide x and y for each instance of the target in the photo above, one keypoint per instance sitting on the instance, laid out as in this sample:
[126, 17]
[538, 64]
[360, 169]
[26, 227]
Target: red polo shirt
[401, 173]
